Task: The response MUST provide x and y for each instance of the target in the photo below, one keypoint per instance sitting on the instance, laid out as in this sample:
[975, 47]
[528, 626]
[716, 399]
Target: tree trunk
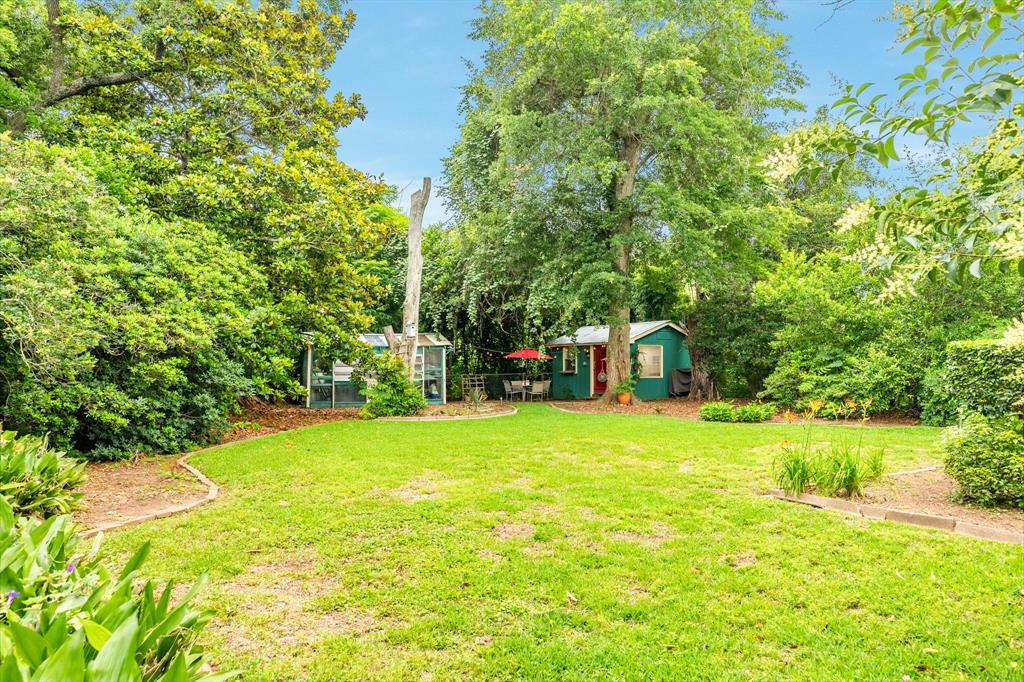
[702, 384]
[617, 359]
[414, 275]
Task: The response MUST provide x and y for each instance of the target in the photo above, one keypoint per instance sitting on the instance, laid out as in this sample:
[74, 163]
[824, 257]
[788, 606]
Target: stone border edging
[456, 418]
[211, 494]
[945, 523]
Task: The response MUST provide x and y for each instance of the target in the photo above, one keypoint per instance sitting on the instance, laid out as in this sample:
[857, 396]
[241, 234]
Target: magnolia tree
[965, 215]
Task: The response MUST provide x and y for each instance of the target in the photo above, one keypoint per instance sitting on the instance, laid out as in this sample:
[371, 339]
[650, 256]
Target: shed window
[650, 358]
[569, 361]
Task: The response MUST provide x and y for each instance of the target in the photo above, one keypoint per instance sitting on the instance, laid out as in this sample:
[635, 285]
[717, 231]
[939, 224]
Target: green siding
[571, 386]
[676, 355]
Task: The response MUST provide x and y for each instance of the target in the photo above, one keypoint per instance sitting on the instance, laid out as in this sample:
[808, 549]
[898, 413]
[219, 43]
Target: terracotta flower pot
[624, 398]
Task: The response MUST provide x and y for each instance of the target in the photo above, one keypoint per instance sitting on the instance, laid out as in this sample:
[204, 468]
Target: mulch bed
[684, 408]
[118, 491]
[931, 492]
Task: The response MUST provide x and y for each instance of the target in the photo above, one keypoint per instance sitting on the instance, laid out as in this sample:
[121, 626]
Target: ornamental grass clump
[841, 469]
[36, 479]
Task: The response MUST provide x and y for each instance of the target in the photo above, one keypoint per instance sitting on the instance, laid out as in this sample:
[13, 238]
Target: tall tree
[592, 125]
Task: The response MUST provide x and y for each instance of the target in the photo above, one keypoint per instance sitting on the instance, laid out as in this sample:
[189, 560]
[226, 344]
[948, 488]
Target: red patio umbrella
[528, 354]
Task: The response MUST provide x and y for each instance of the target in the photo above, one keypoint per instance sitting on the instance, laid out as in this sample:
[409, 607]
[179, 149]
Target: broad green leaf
[96, 634]
[28, 643]
[9, 670]
[116, 660]
[67, 663]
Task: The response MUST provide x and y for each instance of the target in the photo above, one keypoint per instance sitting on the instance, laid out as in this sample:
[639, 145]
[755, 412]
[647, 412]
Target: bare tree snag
[414, 276]
[389, 336]
[618, 365]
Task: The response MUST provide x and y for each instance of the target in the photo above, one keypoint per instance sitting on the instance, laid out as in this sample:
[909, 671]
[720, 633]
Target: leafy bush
[36, 479]
[753, 412]
[985, 376]
[985, 453]
[986, 459]
[66, 617]
[389, 392]
[714, 411]
[720, 411]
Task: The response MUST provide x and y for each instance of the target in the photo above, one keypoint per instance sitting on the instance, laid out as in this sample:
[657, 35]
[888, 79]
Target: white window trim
[661, 357]
[566, 353]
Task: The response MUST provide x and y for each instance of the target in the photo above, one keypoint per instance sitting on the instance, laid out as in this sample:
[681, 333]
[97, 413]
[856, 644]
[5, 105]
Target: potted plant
[624, 390]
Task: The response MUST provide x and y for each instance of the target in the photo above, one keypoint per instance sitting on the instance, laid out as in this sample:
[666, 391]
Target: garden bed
[930, 492]
[116, 492]
[684, 408]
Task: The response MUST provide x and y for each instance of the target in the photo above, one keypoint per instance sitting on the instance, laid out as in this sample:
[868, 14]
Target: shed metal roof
[598, 334]
[424, 339]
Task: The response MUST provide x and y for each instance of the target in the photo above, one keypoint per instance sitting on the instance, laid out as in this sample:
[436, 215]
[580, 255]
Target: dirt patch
[261, 419]
[509, 530]
[277, 605]
[118, 491]
[417, 490]
[742, 559]
[683, 408]
[465, 409]
[658, 534]
[931, 492]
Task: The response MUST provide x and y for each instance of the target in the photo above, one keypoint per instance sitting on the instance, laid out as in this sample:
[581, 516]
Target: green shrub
[66, 617]
[720, 411]
[986, 459]
[390, 393]
[938, 407]
[36, 479]
[753, 412]
[715, 411]
[985, 376]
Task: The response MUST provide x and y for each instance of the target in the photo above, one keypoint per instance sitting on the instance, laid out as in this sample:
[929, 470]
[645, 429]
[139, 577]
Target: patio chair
[539, 388]
[518, 388]
[508, 388]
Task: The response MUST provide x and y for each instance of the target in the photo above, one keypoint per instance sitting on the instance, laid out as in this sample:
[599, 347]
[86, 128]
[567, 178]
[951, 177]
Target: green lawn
[440, 550]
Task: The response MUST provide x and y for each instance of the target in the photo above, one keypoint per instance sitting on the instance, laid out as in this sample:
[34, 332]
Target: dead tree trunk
[414, 275]
[617, 364]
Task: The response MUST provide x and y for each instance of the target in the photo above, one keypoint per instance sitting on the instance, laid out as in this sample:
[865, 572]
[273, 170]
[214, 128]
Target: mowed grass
[566, 547]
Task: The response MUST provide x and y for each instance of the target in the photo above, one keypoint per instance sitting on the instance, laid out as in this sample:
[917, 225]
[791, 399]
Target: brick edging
[212, 490]
[945, 523]
[441, 418]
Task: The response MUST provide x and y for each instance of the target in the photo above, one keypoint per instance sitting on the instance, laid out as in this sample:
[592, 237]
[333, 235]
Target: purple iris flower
[70, 568]
[12, 595]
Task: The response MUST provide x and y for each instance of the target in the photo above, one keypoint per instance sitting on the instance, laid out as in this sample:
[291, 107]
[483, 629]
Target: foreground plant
[36, 479]
[841, 469]
[66, 617]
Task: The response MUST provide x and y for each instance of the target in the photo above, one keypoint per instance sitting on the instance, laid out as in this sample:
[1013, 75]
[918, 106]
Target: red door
[599, 369]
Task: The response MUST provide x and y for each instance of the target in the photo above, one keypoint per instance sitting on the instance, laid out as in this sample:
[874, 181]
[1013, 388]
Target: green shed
[329, 383]
[659, 348]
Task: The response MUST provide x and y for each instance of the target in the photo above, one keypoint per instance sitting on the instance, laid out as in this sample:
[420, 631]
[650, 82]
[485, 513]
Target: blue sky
[406, 59]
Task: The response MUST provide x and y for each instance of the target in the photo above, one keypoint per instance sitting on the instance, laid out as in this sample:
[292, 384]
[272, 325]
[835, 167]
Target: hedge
[987, 377]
